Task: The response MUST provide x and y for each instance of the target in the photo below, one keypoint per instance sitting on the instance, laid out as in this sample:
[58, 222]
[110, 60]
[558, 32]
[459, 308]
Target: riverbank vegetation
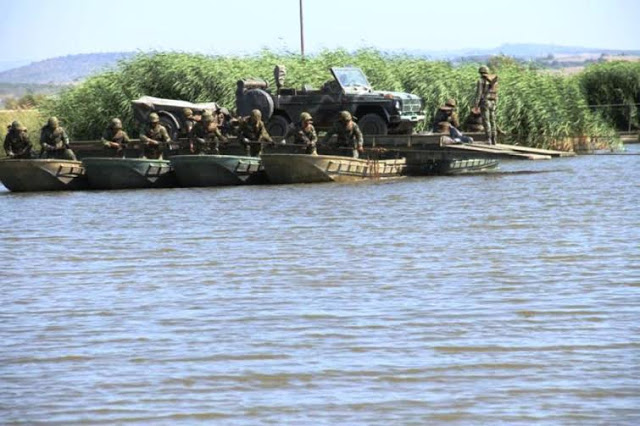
[535, 109]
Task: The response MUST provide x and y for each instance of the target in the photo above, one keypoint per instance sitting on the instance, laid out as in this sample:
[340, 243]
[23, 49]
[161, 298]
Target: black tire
[170, 125]
[277, 125]
[373, 124]
[256, 99]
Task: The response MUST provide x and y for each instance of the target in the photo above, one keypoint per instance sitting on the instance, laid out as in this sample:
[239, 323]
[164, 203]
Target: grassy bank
[32, 119]
[535, 109]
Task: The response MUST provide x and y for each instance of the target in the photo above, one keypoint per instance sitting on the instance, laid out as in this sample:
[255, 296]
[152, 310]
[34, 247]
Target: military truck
[377, 112]
[170, 111]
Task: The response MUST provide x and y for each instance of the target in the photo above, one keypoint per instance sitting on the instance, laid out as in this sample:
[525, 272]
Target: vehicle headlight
[398, 105]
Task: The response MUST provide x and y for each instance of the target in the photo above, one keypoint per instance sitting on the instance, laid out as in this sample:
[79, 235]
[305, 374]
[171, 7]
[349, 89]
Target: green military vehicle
[377, 112]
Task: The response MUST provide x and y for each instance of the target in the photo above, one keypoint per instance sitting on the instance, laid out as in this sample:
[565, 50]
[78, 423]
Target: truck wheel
[373, 124]
[277, 125]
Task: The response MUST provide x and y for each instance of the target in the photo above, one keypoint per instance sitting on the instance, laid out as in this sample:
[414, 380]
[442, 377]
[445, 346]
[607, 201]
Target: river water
[505, 298]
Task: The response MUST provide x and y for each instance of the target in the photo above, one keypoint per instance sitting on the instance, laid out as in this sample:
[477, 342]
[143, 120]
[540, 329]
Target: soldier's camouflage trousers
[488, 112]
[60, 154]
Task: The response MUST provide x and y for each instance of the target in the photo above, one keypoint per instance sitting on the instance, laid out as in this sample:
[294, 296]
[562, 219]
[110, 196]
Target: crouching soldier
[446, 121]
[206, 137]
[304, 133]
[253, 133]
[115, 139]
[55, 142]
[348, 132]
[17, 144]
[154, 138]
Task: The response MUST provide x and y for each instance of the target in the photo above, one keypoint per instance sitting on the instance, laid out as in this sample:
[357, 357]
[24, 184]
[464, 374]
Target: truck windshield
[351, 77]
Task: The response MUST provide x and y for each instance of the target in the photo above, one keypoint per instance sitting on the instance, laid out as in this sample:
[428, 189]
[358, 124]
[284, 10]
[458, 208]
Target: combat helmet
[305, 116]
[154, 118]
[256, 115]
[116, 124]
[483, 69]
[451, 103]
[52, 122]
[345, 116]
[207, 116]
[187, 112]
[16, 125]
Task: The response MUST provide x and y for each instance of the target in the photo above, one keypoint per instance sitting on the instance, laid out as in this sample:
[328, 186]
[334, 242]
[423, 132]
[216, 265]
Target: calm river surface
[506, 298]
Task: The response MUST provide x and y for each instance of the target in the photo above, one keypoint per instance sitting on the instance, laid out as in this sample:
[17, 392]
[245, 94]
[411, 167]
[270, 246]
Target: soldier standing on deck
[189, 121]
[485, 103]
[206, 137]
[17, 144]
[349, 134]
[254, 130]
[55, 142]
[154, 137]
[304, 133]
[115, 139]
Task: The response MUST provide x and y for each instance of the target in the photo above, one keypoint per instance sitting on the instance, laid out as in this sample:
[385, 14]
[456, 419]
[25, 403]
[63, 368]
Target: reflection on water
[509, 297]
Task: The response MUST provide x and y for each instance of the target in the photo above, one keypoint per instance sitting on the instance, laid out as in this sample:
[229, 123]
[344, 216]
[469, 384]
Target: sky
[40, 29]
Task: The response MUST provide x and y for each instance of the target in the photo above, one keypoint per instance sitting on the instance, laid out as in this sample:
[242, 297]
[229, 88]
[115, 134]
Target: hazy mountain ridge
[73, 68]
[64, 69]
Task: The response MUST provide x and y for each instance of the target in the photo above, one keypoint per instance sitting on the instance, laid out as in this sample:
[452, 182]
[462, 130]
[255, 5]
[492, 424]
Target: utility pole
[301, 33]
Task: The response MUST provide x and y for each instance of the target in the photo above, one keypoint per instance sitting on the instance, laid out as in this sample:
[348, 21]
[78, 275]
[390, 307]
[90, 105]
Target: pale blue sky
[39, 29]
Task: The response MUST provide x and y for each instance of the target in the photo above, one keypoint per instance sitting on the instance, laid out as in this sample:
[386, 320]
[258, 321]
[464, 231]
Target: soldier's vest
[490, 88]
[119, 137]
[303, 136]
[18, 141]
[53, 137]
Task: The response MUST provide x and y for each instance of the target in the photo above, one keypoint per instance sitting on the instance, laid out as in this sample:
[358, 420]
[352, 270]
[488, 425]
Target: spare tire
[373, 124]
[256, 99]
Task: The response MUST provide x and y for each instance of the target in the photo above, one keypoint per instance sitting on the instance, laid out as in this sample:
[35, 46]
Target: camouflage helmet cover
[345, 116]
[256, 114]
[116, 123]
[207, 115]
[483, 69]
[154, 118]
[52, 122]
[16, 125]
[187, 112]
[305, 116]
[451, 103]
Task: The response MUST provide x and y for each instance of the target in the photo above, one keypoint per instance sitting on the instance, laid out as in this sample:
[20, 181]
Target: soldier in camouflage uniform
[225, 122]
[154, 137]
[55, 142]
[304, 133]
[206, 137]
[485, 103]
[446, 121]
[252, 129]
[115, 139]
[189, 121]
[17, 144]
[349, 134]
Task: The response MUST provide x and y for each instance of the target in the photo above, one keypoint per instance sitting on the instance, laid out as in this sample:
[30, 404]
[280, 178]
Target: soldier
[55, 142]
[225, 121]
[485, 103]
[154, 137]
[473, 123]
[252, 129]
[115, 139]
[189, 121]
[348, 132]
[446, 121]
[204, 134]
[304, 133]
[17, 144]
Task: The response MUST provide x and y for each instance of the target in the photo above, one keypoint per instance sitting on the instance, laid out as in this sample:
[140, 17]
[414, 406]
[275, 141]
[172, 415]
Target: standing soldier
[204, 134]
[17, 144]
[485, 103]
[349, 134]
[225, 121]
[55, 142]
[304, 133]
[115, 139]
[189, 121]
[154, 137]
[253, 130]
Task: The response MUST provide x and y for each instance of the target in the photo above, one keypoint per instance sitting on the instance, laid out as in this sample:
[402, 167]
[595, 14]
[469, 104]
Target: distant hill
[64, 69]
[73, 68]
